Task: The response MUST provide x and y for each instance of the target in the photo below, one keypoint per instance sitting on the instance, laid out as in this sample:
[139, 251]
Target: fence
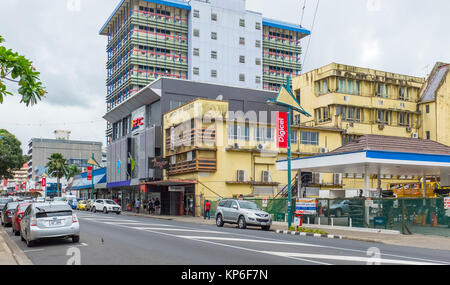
[408, 215]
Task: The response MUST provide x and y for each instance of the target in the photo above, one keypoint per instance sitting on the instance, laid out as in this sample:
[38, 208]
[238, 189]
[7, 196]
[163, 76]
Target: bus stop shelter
[380, 155]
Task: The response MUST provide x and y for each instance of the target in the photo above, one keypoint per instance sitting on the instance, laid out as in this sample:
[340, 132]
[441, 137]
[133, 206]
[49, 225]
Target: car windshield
[5, 200]
[248, 205]
[12, 206]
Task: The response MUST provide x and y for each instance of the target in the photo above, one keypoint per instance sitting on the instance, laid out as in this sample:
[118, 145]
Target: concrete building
[210, 41]
[76, 153]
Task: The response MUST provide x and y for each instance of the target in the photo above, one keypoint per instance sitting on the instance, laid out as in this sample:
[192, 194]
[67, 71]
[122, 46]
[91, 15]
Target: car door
[226, 210]
[234, 211]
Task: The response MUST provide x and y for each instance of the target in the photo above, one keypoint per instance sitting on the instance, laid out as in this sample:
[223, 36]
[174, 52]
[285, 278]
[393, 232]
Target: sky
[61, 38]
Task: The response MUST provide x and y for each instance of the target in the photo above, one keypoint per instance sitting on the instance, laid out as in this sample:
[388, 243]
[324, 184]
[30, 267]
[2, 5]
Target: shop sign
[176, 188]
[306, 207]
[89, 173]
[158, 163]
[264, 203]
[369, 203]
[447, 203]
[282, 130]
[43, 182]
[138, 120]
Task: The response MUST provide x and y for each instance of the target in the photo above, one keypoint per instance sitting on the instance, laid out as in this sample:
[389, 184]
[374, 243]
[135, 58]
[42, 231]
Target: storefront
[85, 189]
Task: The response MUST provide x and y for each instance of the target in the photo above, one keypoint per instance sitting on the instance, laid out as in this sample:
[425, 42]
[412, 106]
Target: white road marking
[32, 250]
[347, 258]
[178, 230]
[250, 240]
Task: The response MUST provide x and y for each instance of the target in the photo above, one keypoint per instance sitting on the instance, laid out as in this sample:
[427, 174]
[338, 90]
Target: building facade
[209, 41]
[75, 152]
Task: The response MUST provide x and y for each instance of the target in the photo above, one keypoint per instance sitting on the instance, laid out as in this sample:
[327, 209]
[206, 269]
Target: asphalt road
[123, 240]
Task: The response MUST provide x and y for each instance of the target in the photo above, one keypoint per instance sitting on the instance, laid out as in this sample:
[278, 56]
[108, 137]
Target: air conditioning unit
[381, 127]
[415, 135]
[265, 176]
[241, 175]
[261, 147]
[346, 131]
[323, 150]
[409, 130]
[236, 146]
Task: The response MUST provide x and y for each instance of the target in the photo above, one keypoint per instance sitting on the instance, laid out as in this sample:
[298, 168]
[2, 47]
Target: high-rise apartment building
[210, 41]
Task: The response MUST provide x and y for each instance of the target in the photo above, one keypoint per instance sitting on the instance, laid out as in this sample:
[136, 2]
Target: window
[242, 59]
[242, 22]
[322, 87]
[173, 104]
[258, 43]
[196, 14]
[404, 119]
[264, 134]
[382, 91]
[196, 33]
[196, 71]
[213, 35]
[213, 17]
[258, 61]
[196, 52]
[402, 93]
[383, 117]
[258, 80]
[428, 135]
[310, 138]
[258, 26]
[238, 132]
[242, 77]
[427, 107]
[214, 54]
[242, 41]
[214, 73]
[294, 137]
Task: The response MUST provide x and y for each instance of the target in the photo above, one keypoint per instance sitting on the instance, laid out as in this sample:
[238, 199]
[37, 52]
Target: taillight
[33, 222]
[74, 218]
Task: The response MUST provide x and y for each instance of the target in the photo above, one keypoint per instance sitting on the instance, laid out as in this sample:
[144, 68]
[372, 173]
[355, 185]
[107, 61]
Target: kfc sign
[138, 120]
[282, 130]
[137, 123]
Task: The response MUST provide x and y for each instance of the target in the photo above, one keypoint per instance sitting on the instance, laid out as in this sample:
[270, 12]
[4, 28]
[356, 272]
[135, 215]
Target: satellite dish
[219, 98]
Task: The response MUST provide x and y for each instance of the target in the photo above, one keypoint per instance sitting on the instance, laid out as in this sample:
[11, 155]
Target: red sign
[43, 181]
[137, 123]
[282, 130]
[143, 188]
[89, 173]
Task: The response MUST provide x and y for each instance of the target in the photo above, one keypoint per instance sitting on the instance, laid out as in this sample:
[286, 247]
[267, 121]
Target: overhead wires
[310, 36]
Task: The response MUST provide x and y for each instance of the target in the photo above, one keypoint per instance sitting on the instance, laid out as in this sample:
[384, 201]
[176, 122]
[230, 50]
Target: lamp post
[286, 99]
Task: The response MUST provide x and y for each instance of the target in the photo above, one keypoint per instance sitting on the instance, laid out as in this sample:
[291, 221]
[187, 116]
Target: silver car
[49, 220]
[243, 213]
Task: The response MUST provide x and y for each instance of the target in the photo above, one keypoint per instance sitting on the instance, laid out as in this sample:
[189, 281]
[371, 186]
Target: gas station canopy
[380, 155]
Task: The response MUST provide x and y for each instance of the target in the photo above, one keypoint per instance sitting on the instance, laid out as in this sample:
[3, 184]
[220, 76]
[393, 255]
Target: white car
[105, 206]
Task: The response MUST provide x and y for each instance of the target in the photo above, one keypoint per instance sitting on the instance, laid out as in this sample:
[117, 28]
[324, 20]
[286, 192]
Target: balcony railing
[199, 165]
[203, 136]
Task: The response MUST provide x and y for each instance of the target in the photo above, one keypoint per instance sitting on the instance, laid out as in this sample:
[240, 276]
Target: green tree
[72, 171]
[11, 156]
[58, 168]
[16, 68]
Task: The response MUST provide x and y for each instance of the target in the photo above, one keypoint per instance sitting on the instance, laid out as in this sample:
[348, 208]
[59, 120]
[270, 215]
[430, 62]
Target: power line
[312, 29]
[303, 13]
[50, 124]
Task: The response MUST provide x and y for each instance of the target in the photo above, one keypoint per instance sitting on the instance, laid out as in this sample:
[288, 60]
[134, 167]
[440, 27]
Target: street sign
[89, 173]
[306, 207]
[446, 203]
[369, 203]
[282, 130]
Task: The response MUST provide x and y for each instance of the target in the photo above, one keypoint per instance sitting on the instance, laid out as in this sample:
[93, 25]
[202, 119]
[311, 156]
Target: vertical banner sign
[89, 173]
[446, 203]
[282, 130]
[43, 182]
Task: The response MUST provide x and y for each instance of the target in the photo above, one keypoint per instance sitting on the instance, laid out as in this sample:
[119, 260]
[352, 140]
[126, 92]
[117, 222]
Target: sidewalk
[384, 237]
[10, 253]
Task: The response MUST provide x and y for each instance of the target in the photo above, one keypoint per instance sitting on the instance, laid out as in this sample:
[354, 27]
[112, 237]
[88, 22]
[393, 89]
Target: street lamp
[286, 99]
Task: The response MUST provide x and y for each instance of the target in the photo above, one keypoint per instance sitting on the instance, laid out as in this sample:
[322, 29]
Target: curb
[308, 234]
[18, 254]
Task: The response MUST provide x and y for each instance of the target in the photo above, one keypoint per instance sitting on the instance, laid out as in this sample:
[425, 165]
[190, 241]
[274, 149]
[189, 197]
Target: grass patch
[304, 230]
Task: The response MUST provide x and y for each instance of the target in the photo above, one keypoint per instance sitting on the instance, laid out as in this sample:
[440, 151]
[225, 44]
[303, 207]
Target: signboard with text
[447, 203]
[158, 163]
[282, 130]
[89, 173]
[306, 207]
[138, 120]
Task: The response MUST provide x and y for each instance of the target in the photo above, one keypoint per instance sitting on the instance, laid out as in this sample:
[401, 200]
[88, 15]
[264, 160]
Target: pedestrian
[208, 210]
[150, 207]
[157, 206]
[138, 205]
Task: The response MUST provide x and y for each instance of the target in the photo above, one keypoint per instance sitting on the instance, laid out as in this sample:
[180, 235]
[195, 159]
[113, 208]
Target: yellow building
[362, 101]
[229, 158]
[434, 105]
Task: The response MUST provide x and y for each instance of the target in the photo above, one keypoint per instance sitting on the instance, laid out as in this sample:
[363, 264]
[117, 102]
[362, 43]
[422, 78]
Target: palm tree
[72, 171]
[57, 167]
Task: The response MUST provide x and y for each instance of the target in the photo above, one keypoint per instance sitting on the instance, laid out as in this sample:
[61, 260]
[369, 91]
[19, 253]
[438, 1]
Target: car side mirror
[235, 207]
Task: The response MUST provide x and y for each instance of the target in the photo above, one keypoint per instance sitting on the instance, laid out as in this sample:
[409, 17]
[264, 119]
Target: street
[118, 240]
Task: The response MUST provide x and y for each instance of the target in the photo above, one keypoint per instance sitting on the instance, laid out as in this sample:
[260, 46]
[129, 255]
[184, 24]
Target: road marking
[33, 250]
[348, 258]
[250, 240]
[179, 230]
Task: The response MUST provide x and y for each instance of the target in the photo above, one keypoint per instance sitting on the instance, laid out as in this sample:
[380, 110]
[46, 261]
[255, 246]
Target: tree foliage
[72, 171]
[11, 156]
[57, 167]
[16, 68]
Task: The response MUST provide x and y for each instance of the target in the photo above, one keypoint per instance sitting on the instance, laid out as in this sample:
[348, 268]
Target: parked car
[49, 220]
[17, 218]
[338, 208]
[242, 213]
[106, 205]
[8, 213]
[40, 200]
[81, 205]
[3, 202]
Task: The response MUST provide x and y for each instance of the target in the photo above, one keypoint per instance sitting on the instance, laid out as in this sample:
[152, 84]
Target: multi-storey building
[210, 41]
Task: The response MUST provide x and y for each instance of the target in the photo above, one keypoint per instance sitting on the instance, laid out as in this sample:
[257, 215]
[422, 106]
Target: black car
[8, 213]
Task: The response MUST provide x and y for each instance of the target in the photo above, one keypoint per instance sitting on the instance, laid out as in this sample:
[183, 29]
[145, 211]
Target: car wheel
[105, 211]
[21, 237]
[118, 213]
[30, 243]
[76, 239]
[219, 221]
[241, 223]
[94, 210]
[338, 213]
[266, 228]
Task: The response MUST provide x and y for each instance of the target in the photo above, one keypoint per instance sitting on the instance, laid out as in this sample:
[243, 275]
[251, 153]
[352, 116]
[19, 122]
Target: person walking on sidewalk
[157, 206]
[138, 205]
[150, 207]
[208, 210]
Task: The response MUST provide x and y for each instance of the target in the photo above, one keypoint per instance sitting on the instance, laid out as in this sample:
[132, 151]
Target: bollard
[308, 220]
[319, 221]
[332, 222]
[350, 222]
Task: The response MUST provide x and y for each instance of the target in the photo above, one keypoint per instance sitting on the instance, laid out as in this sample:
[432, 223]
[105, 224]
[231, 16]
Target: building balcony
[197, 165]
[193, 139]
